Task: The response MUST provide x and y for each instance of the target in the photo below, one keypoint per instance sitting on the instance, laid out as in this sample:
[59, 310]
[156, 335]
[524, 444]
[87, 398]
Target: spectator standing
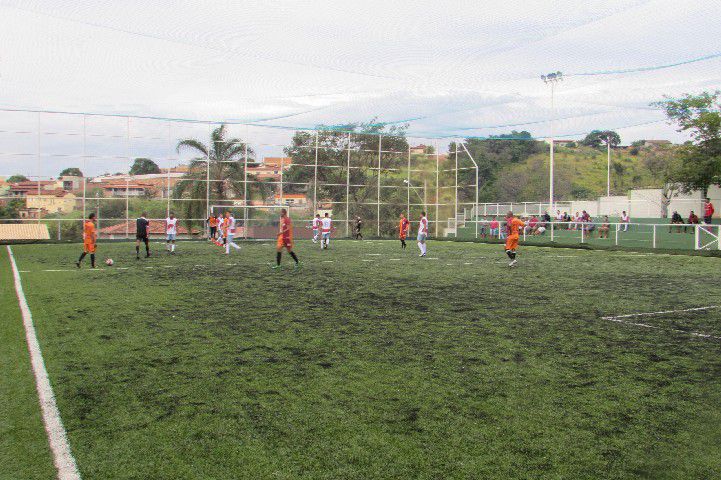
[494, 228]
[708, 211]
[625, 220]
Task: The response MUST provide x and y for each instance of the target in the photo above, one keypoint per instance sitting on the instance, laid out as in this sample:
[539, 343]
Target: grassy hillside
[580, 173]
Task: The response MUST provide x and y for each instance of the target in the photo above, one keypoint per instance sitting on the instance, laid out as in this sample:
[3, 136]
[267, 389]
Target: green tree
[700, 117]
[333, 146]
[598, 137]
[493, 155]
[143, 166]
[17, 178]
[225, 159]
[71, 172]
[665, 167]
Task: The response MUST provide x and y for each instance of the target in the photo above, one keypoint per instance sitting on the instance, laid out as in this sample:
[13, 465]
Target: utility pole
[552, 79]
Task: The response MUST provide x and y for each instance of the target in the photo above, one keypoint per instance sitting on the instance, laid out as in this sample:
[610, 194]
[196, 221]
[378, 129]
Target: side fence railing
[684, 236]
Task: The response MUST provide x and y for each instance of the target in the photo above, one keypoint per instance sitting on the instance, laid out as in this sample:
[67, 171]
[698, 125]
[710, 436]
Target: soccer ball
[109, 262]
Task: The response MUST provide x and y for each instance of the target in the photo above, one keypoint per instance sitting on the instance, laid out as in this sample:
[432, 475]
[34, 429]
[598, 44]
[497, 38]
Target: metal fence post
[378, 195]
[552, 230]
[654, 236]
[438, 197]
[347, 191]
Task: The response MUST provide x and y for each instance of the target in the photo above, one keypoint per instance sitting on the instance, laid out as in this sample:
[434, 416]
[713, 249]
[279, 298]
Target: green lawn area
[367, 363]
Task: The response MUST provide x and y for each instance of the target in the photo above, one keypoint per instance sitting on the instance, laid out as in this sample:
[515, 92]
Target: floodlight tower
[552, 79]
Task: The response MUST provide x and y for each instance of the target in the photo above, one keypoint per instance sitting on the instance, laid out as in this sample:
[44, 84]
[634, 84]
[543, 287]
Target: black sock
[292, 254]
[277, 257]
[82, 255]
[92, 260]
[147, 247]
[510, 254]
[137, 250]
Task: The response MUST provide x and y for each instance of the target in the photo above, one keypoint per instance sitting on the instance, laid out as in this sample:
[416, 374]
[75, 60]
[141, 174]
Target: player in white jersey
[316, 227]
[171, 230]
[230, 232]
[422, 234]
[221, 236]
[325, 226]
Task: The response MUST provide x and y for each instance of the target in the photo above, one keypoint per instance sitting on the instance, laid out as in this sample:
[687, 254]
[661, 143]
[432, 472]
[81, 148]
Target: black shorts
[213, 230]
[141, 238]
[707, 219]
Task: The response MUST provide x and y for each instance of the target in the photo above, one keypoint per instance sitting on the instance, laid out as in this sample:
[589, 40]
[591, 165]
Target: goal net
[261, 222]
[708, 237]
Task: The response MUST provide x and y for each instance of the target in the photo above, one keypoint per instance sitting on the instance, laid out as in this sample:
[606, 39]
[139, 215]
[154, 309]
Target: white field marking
[57, 437]
[663, 312]
[466, 263]
[198, 266]
[234, 264]
[645, 325]
[149, 267]
[450, 264]
[618, 319]
[374, 254]
[431, 258]
[394, 259]
[23, 271]
[368, 260]
[327, 261]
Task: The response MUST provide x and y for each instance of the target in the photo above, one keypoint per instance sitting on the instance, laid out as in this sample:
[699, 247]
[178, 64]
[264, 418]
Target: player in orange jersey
[89, 238]
[403, 227]
[285, 239]
[513, 224]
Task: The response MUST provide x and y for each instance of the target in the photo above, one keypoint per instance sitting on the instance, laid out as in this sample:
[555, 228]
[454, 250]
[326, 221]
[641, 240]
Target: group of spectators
[677, 219]
[582, 221]
[538, 225]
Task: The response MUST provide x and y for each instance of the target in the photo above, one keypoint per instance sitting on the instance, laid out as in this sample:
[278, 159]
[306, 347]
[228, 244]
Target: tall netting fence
[62, 167]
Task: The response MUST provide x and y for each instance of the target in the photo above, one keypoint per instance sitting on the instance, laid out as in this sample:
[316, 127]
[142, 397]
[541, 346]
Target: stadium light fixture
[552, 79]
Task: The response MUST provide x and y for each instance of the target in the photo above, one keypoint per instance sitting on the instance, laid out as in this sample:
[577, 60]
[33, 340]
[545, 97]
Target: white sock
[424, 248]
[172, 247]
[235, 246]
[420, 246]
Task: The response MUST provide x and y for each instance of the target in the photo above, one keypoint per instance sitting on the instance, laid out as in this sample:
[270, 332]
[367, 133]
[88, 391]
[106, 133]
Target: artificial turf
[370, 362]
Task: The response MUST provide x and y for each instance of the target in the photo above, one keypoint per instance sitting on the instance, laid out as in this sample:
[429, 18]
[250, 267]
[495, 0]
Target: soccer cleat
[298, 266]
[513, 263]
[77, 264]
[276, 267]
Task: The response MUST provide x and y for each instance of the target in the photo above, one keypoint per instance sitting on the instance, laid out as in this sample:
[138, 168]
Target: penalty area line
[57, 436]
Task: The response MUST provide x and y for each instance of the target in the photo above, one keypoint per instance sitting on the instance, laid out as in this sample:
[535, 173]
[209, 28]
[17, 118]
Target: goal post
[260, 222]
[707, 237]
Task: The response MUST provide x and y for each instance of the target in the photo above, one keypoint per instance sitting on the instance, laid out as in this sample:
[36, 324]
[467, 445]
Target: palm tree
[224, 162]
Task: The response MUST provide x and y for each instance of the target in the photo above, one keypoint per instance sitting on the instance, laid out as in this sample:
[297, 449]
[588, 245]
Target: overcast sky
[450, 69]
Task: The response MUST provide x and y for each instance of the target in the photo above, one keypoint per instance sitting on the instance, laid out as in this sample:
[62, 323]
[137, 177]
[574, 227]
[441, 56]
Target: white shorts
[422, 237]
[171, 236]
[326, 235]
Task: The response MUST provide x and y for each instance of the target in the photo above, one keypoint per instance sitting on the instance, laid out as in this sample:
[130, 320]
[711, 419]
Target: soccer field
[368, 362]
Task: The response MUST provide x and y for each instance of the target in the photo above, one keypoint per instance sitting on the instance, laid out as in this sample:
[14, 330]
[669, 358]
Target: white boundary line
[57, 437]
[619, 319]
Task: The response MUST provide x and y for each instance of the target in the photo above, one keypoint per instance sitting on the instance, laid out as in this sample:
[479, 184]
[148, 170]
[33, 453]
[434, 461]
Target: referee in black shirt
[142, 228]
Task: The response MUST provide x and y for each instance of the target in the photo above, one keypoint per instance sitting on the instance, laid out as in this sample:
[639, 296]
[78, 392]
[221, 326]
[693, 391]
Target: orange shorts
[512, 242]
[89, 247]
[286, 242]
